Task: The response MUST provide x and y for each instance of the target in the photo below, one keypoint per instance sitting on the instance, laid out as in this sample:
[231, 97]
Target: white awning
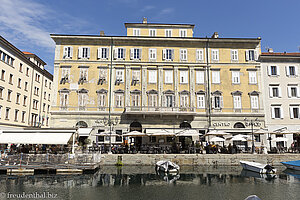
[35, 137]
[188, 132]
[84, 131]
[162, 132]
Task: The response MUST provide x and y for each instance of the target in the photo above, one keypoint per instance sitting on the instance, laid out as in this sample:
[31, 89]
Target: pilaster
[160, 85]
[144, 85]
[127, 85]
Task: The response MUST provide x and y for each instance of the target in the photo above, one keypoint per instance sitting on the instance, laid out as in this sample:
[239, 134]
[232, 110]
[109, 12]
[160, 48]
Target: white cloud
[147, 8]
[166, 11]
[23, 20]
[29, 22]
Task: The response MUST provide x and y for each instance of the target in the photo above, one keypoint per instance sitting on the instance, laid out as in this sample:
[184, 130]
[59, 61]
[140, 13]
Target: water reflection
[232, 182]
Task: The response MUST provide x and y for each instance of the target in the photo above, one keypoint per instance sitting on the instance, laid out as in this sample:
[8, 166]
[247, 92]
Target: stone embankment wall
[196, 159]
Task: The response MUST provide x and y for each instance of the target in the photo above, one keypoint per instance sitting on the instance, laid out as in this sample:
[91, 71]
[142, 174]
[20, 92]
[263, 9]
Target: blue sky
[28, 23]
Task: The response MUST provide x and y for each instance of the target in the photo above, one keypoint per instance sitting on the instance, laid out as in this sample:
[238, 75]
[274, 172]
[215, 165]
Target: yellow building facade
[25, 89]
[159, 76]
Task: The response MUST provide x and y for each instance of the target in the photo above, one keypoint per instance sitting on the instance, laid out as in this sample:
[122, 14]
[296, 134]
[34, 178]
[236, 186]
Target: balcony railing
[150, 110]
[159, 109]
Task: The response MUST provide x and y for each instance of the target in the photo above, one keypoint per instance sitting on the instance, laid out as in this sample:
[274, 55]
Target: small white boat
[167, 166]
[258, 167]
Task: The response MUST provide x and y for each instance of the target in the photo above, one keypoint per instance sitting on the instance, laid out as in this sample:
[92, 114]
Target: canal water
[142, 183]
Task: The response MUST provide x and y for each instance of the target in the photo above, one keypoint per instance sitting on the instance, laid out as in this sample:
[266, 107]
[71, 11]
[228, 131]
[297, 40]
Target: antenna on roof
[299, 48]
[266, 48]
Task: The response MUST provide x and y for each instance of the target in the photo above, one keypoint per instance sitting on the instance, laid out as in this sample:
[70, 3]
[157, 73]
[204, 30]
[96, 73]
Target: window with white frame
[168, 54]
[23, 116]
[183, 54]
[200, 77]
[234, 55]
[293, 91]
[103, 53]
[83, 76]
[136, 32]
[152, 54]
[119, 53]
[135, 99]
[254, 102]
[291, 71]
[168, 76]
[252, 77]
[200, 101]
[16, 114]
[102, 74]
[275, 91]
[235, 77]
[276, 112]
[152, 100]
[120, 75]
[217, 101]
[119, 100]
[65, 75]
[251, 55]
[82, 100]
[215, 54]
[273, 70]
[294, 112]
[237, 102]
[101, 99]
[168, 32]
[182, 33]
[183, 76]
[1, 92]
[68, 52]
[152, 76]
[84, 52]
[136, 74]
[7, 113]
[215, 76]
[184, 100]
[199, 55]
[152, 32]
[64, 99]
[135, 53]
[170, 100]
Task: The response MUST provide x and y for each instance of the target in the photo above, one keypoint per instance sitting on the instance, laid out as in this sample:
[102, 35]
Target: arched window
[136, 126]
[185, 125]
[239, 125]
[81, 124]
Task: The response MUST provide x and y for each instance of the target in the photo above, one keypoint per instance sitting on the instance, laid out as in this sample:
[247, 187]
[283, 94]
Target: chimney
[144, 20]
[215, 35]
[102, 33]
[270, 50]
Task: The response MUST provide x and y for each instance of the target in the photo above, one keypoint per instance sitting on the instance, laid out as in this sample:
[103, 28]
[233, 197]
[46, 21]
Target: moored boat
[295, 164]
[167, 166]
[258, 167]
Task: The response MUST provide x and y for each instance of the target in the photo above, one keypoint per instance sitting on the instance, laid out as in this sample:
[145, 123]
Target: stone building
[25, 89]
[282, 95]
[158, 77]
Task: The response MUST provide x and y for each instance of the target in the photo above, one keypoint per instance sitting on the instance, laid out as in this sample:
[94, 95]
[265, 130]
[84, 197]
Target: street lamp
[110, 122]
[251, 121]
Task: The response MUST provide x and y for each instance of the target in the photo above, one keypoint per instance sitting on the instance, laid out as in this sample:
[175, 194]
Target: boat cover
[294, 162]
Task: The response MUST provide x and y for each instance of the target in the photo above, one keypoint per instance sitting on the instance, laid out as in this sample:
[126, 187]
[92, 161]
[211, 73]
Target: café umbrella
[217, 139]
[135, 134]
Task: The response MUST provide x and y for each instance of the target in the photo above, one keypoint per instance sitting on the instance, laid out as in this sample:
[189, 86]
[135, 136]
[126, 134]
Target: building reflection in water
[115, 177]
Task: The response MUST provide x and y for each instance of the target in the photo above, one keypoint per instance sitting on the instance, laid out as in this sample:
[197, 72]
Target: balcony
[144, 110]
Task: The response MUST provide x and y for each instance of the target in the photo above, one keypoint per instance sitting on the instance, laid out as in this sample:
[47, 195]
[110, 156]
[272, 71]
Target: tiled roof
[28, 53]
[279, 54]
